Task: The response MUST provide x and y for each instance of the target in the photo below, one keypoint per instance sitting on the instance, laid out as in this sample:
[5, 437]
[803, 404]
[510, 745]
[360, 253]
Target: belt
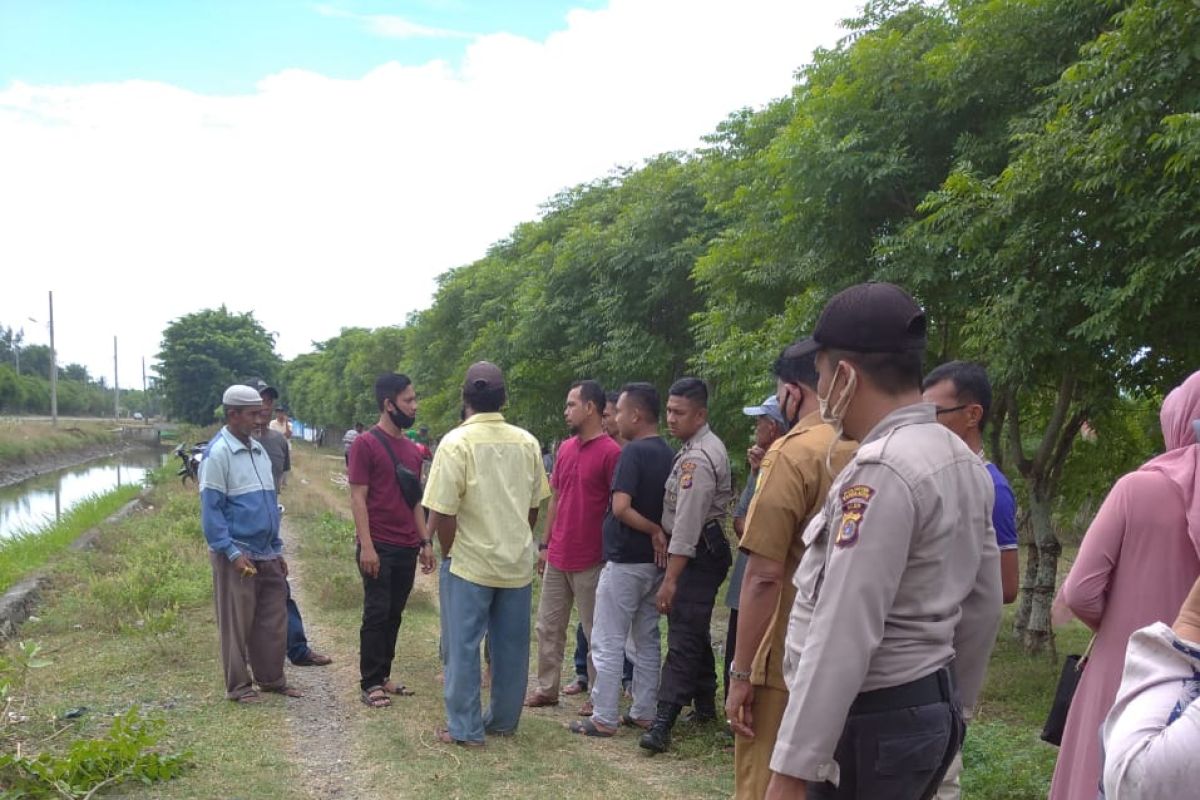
[936, 687]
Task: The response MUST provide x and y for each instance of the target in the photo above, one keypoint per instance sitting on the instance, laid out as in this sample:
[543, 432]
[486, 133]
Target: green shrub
[123, 754]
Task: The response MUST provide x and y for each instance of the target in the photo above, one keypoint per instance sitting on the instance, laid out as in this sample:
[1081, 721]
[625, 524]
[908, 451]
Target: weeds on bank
[21, 440]
[135, 691]
[23, 553]
[32, 768]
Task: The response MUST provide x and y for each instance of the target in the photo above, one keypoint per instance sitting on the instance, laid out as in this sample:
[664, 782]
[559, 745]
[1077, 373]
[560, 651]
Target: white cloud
[320, 203]
[391, 26]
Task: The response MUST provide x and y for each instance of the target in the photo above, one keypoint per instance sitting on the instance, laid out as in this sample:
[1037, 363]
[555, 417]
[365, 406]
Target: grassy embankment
[23, 440]
[23, 553]
[131, 622]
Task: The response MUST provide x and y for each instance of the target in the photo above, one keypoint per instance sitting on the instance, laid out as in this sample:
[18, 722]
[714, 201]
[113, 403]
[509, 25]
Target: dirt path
[427, 769]
[320, 723]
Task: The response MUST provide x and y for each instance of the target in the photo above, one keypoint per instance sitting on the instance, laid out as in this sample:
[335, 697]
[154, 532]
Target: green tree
[336, 384]
[1079, 257]
[206, 351]
[35, 360]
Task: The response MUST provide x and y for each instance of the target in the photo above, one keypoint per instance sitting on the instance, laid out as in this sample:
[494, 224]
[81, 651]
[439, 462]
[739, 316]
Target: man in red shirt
[571, 558]
[390, 531]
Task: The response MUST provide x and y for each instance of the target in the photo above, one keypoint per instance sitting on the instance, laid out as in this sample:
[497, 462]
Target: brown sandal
[443, 736]
[248, 698]
[376, 697]
[398, 689]
[286, 691]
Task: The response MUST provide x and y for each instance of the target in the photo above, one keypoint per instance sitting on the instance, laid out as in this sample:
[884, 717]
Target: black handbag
[410, 482]
[1068, 680]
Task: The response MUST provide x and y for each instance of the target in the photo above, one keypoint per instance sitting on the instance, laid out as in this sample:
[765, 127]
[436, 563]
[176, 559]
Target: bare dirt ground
[319, 740]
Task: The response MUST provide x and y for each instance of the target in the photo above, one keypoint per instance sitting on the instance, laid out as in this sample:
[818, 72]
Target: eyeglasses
[941, 411]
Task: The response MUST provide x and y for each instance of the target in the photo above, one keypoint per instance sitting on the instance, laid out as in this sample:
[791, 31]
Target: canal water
[42, 500]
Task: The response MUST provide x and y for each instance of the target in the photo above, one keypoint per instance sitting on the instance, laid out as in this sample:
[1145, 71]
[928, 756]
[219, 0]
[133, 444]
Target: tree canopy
[204, 352]
[1023, 167]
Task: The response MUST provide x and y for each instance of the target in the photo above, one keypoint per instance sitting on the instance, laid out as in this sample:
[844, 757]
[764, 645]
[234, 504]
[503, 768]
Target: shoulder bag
[410, 482]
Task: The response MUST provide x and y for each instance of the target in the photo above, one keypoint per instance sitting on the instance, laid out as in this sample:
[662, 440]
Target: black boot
[702, 711]
[658, 738]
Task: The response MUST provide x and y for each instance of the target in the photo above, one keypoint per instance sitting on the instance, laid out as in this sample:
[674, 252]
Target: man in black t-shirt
[635, 548]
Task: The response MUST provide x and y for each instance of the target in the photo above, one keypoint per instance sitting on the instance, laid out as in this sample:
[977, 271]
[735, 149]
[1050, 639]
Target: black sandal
[585, 727]
[376, 697]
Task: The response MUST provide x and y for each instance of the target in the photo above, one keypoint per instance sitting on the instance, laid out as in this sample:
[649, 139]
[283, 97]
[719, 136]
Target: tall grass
[23, 553]
[22, 440]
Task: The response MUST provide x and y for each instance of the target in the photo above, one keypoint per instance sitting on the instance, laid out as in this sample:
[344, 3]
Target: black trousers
[690, 671]
[384, 598]
[730, 646]
[901, 754]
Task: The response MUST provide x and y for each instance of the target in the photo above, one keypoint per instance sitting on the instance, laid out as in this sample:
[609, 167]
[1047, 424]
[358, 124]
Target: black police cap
[868, 318]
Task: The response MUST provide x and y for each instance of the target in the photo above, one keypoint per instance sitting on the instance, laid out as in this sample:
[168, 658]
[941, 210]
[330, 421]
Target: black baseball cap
[262, 387]
[868, 318]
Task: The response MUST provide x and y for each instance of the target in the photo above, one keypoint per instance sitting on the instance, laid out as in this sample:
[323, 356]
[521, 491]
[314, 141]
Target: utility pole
[53, 369]
[143, 374]
[116, 384]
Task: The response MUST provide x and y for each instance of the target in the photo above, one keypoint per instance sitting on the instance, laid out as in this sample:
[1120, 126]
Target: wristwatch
[739, 675]
[427, 543]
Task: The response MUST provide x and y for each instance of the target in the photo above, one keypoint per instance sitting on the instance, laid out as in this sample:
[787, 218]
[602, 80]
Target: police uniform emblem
[687, 469]
[854, 506]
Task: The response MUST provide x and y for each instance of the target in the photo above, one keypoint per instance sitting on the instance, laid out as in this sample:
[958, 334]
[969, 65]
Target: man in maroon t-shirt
[571, 558]
[390, 533]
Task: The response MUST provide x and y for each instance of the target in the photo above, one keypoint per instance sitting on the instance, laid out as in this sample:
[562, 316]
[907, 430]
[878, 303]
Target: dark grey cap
[868, 318]
[484, 375]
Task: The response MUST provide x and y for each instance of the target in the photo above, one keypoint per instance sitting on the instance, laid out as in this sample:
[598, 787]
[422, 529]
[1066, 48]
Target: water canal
[42, 500]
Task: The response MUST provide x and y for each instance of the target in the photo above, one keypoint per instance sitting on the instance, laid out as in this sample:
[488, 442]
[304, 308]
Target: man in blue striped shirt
[240, 517]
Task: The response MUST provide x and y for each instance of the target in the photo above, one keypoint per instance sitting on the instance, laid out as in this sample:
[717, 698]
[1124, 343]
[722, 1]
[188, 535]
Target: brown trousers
[559, 591]
[252, 623]
[752, 757]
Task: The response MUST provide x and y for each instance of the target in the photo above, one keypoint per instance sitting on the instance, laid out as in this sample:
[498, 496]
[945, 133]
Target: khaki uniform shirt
[900, 574]
[698, 490]
[792, 484]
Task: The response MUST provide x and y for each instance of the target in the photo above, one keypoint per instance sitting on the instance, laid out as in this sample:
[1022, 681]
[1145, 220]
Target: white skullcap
[239, 395]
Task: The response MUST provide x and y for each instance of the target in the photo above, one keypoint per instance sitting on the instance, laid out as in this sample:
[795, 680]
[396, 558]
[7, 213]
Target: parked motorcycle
[190, 458]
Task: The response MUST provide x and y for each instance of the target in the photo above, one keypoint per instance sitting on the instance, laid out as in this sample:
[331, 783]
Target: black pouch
[713, 536]
[1064, 692]
[410, 482]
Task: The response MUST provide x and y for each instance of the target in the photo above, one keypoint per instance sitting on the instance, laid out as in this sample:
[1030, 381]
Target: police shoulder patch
[855, 500]
[687, 467]
[686, 481]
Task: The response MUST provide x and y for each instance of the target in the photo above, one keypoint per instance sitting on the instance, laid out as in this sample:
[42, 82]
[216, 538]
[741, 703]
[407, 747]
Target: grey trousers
[252, 623]
[625, 608]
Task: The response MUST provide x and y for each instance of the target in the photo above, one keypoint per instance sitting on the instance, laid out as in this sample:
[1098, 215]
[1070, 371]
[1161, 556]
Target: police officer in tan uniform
[792, 484]
[697, 497]
[898, 591]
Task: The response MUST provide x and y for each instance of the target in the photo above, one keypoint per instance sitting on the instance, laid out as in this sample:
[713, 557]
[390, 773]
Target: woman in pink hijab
[1137, 563]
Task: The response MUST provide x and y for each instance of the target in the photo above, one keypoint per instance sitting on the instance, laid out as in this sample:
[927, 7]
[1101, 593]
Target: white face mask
[833, 412]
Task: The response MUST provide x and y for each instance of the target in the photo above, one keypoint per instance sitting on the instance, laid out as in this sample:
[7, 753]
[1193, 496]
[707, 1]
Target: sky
[321, 163]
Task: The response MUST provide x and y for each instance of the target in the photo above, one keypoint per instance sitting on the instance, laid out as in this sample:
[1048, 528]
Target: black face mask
[400, 419]
[791, 420]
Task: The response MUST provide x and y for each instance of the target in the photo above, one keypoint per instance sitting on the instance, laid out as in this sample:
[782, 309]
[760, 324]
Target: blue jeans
[444, 609]
[297, 642]
[503, 615]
